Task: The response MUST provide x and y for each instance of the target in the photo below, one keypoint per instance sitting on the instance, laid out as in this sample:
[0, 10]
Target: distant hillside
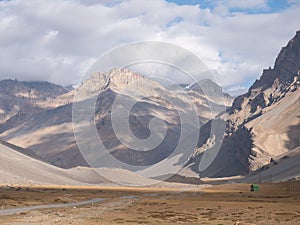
[26, 97]
[42, 122]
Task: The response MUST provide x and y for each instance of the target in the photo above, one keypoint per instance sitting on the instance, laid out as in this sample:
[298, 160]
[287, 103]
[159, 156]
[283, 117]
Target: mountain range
[42, 122]
[261, 134]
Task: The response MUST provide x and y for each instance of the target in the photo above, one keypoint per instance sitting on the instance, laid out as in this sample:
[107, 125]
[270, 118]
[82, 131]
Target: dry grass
[219, 205]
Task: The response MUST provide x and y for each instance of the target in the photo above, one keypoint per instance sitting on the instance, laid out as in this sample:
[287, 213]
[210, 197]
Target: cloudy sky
[57, 40]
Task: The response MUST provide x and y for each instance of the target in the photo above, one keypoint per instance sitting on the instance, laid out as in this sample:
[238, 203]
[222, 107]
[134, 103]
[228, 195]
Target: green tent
[254, 187]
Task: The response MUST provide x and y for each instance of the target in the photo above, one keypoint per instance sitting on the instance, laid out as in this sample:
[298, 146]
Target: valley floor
[224, 204]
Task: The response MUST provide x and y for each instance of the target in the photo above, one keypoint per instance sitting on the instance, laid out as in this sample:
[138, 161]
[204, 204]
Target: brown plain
[216, 205]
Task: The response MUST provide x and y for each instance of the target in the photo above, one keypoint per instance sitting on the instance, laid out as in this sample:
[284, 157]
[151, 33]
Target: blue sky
[273, 5]
[57, 40]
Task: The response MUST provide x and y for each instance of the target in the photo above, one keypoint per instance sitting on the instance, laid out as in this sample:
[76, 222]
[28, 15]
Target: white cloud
[57, 40]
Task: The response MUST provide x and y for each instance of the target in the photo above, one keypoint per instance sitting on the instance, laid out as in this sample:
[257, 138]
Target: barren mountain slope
[282, 168]
[49, 132]
[17, 168]
[277, 131]
[261, 124]
[19, 98]
[270, 110]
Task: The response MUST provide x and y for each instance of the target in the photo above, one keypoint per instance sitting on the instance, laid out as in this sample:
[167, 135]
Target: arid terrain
[150, 112]
[49, 183]
[224, 204]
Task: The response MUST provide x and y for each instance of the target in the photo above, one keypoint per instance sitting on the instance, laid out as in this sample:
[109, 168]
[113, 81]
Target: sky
[58, 40]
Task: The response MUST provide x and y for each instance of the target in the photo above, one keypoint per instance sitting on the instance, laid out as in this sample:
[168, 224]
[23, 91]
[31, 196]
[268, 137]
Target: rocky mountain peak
[273, 85]
[107, 85]
[210, 91]
[118, 80]
[205, 82]
[286, 68]
[289, 56]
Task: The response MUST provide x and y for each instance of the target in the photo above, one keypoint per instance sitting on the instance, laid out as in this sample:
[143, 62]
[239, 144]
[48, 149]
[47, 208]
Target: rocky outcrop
[270, 101]
[272, 86]
[264, 122]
